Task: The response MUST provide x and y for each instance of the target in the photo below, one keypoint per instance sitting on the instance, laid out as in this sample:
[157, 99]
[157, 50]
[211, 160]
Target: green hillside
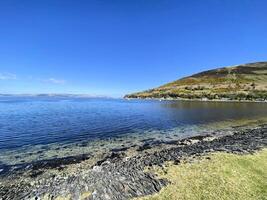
[242, 82]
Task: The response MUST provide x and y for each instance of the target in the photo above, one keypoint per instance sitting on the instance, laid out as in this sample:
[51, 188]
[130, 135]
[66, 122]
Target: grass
[222, 177]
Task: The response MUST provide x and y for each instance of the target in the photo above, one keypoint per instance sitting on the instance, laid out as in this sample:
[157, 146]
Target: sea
[40, 128]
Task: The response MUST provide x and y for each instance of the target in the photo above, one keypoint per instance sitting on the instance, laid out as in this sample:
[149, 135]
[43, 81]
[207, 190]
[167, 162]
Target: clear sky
[113, 47]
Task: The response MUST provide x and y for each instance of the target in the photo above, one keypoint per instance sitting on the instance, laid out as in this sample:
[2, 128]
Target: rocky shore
[117, 175]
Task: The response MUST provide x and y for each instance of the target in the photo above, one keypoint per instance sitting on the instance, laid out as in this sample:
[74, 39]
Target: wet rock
[120, 149]
[144, 147]
[34, 174]
[58, 163]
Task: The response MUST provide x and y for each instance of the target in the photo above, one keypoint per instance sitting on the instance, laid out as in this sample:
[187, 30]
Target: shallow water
[35, 128]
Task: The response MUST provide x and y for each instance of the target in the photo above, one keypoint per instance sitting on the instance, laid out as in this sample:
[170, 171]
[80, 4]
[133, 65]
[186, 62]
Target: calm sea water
[29, 122]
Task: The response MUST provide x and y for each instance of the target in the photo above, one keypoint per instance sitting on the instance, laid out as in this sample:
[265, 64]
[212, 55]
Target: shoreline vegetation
[122, 175]
[202, 99]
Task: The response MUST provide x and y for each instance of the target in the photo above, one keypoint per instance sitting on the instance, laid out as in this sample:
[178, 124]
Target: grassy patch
[223, 176]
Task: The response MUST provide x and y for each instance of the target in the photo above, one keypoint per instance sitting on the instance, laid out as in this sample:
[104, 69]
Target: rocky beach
[121, 173]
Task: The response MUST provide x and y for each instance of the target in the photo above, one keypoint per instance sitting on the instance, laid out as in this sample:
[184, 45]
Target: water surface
[37, 124]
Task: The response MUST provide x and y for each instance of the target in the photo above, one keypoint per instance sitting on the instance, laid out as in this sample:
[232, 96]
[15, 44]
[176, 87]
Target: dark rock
[120, 149]
[144, 147]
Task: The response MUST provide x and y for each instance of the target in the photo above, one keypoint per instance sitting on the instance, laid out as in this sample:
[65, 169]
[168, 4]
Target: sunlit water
[49, 127]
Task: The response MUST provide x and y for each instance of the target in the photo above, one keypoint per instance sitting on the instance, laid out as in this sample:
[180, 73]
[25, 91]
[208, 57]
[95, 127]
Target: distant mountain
[55, 95]
[241, 82]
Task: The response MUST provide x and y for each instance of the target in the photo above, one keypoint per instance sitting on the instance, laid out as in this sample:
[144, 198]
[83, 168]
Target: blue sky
[113, 47]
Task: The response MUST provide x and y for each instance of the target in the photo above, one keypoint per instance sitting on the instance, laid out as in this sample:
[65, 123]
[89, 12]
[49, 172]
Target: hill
[241, 82]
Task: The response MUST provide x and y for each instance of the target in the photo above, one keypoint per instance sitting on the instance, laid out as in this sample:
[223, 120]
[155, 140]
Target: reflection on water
[40, 128]
[206, 112]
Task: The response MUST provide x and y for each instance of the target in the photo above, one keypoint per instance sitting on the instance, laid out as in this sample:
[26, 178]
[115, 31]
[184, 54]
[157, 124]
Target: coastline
[118, 174]
[201, 100]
